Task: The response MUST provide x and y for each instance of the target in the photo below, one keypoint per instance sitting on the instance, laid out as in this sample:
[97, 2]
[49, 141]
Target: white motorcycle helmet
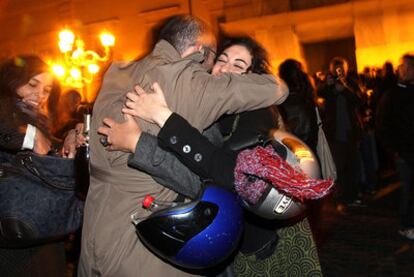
[274, 204]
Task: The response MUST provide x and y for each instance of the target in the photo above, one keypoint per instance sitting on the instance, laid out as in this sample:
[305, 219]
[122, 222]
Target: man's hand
[69, 145]
[73, 140]
[42, 145]
[151, 107]
[121, 136]
[81, 139]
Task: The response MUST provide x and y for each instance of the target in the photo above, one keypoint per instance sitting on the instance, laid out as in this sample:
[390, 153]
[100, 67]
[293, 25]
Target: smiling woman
[28, 100]
[235, 59]
[36, 92]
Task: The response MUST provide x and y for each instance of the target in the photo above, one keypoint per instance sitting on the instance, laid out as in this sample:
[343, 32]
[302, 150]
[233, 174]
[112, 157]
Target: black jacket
[206, 159]
[300, 119]
[351, 94]
[247, 128]
[395, 121]
[197, 152]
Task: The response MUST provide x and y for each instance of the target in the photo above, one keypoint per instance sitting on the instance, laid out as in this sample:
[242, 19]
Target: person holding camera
[342, 126]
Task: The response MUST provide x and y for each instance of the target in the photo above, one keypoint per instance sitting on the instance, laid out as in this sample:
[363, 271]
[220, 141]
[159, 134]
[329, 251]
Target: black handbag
[38, 201]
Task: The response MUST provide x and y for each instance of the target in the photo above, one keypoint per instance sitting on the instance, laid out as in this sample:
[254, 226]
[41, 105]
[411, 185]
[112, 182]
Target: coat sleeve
[172, 170]
[197, 153]
[164, 167]
[234, 93]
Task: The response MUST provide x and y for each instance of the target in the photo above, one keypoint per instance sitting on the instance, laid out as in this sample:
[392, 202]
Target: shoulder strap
[319, 121]
[233, 127]
[26, 161]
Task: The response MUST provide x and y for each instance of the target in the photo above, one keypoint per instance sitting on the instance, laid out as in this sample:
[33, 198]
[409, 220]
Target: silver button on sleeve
[198, 157]
[186, 148]
[173, 140]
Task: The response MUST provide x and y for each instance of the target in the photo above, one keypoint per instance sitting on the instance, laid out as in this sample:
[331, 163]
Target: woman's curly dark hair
[260, 61]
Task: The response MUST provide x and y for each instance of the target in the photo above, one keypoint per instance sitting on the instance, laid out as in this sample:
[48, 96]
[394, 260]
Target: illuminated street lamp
[79, 65]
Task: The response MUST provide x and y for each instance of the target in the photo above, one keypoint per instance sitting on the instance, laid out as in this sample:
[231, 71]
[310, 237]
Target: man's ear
[192, 49]
[199, 47]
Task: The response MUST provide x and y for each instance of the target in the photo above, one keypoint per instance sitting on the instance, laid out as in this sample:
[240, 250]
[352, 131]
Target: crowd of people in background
[368, 122]
[367, 118]
[349, 104]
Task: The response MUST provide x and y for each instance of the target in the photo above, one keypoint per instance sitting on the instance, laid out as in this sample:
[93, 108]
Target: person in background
[298, 110]
[299, 117]
[384, 83]
[69, 114]
[387, 82]
[388, 79]
[342, 126]
[367, 78]
[28, 99]
[395, 130]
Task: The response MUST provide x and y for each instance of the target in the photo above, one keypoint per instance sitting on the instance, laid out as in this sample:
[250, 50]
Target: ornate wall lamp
[79, 66]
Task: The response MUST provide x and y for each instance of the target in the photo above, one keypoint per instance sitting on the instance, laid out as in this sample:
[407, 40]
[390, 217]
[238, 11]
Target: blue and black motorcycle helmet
[195, 235]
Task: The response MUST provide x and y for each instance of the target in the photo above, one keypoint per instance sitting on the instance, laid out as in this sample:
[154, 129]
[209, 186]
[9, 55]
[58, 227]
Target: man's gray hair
[182, 31]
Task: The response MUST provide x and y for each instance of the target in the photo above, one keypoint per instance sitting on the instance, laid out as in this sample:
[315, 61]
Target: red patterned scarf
[258, 167]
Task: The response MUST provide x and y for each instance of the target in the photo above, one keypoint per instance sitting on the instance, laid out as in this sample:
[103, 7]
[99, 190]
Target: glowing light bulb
[75, 73]
[67, 37]
[77, 53]
[58, 70]
[107, 39]
[93, 68]
[65, 47]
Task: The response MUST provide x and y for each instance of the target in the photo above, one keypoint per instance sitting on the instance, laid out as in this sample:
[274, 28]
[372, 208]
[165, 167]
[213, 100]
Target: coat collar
[167, 51]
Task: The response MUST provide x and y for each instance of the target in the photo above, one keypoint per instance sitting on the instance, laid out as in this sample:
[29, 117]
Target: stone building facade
[380, 29]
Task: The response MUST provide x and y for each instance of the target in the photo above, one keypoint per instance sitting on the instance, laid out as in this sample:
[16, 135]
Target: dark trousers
[347, 161]
[369, 162]
[46, 260]
[406, 175]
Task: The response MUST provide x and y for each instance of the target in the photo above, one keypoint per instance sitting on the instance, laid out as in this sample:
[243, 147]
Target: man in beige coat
[110, 246]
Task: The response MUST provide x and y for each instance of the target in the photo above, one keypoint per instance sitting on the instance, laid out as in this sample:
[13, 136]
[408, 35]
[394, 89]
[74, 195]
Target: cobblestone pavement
[364, 241]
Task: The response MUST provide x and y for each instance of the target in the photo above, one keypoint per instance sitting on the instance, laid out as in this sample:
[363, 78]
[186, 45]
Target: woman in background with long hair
[28, 99]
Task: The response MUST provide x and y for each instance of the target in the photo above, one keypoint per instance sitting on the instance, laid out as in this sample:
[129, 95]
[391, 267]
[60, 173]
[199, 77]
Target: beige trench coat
[110, 246]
